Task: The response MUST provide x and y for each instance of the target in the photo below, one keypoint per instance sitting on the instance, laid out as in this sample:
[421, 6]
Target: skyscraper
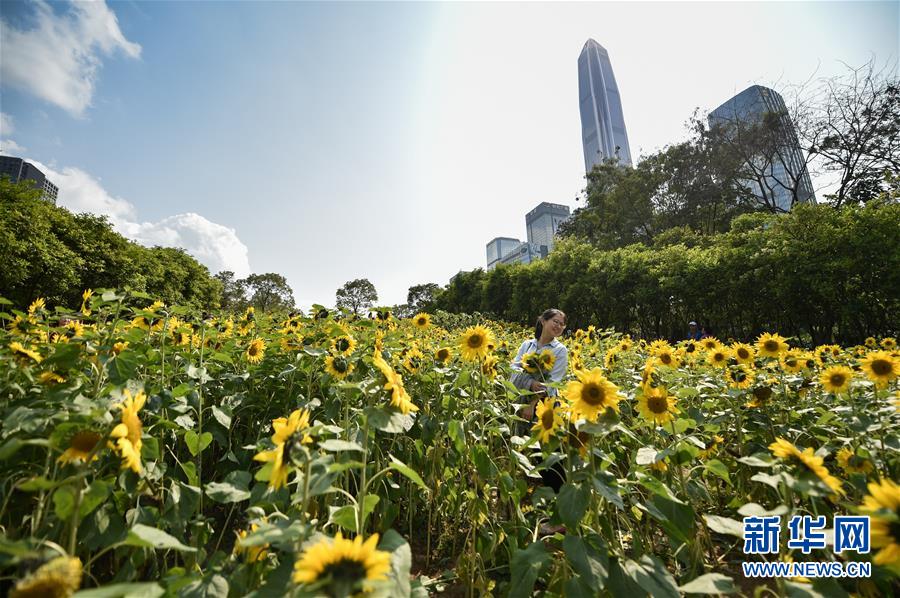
[603, 133]
[19, 170]
[542, 223]
[780, 176]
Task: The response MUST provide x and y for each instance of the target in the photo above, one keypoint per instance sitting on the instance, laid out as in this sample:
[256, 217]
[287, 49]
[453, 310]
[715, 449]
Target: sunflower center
[340, 365]
[346, 570]
[791, 363]
[739, 376]
[658, 404]
[718, 357]
[342, 344]
[763, 393]
[443, 354]
[475, 341]
[881, 367]
[85, 441]
[894, 529]
[421, 321]
[771, 346]
[665, 358]
[690, 348]
[837, 379]
[743, 353]
[253, 351]
[592, 394]
[547, 419]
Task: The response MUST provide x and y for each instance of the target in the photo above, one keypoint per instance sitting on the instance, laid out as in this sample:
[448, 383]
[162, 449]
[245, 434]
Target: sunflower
[254, 553]
[710, 343]
[711, 448]
[591, 394]
[660, 466]
[743, 353]
[38, 304]
[412, 360]
[850, 462]
[50, 378]
[548, 359]
[889, 343]
[57, 578]
[786, 451]
[343, 566]
[836, 379]
[85, 298]
[771, 345]
[474, 343]
[443, 355]
[338, 367]
[880, 367]
[739, 376]
[624, 344]
[791, 361]
[667, 357]
[718, 357]
[422, 320]
[119, 347]
[19, 350]
[489, 367]
[343, 345]
[883, 507]
[81, 445]
[870, 342]
[128, 433]
[255, 350]
[761, 395]
[531, 362]
[287, 431]
[659, 345]
[394, 382]
[549, 420]
[657, 405]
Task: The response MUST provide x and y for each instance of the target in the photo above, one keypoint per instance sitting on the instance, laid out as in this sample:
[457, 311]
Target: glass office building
[542, 223]
[603, 133]
[782, 174]
[498, 248]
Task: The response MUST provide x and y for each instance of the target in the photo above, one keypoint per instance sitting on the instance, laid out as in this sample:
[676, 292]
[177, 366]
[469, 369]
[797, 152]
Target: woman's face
[555, 325]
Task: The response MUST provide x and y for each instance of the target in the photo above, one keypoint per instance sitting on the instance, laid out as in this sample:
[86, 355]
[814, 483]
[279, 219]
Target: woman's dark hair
[539, 325]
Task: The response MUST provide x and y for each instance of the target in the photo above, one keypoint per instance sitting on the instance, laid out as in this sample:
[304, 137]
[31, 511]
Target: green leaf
[711, 583]
[401, 561]
[725, 525]
[677, 518]
[150, 537]
[572, 504]
[525, 566]
[63, 502]
[335, 445]
[591, 564]
[124, 590]
[389, 421]
[718, 468]
[94, 497]
[221, 416]
[758, 460]
[235, 488]
[407, 471]
[346, 516]
[646, 455]
[37, 483]
[214, 586]
[652, 575]
[197, 443]
[190, 470]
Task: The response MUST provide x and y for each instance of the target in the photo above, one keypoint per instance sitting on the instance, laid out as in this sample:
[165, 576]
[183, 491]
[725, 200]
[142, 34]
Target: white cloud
[216, 246]
[8, 147]
[6, 124]
[58, 60]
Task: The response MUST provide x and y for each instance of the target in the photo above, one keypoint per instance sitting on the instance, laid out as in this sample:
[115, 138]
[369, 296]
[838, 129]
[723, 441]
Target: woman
[549, 325]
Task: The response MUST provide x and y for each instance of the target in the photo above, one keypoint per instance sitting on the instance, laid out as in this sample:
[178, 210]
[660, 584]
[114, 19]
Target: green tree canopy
[357, 296]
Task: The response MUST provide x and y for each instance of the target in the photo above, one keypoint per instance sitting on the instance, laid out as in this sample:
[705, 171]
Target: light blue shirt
[522, 379]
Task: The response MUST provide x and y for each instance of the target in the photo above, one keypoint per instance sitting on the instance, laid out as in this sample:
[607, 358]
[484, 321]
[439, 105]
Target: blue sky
[391, 141]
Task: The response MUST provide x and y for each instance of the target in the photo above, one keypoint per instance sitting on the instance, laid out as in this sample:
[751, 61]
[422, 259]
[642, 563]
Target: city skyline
[383, 136]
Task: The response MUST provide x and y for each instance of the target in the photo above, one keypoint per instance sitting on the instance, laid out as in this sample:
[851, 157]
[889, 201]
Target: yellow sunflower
[38, 304]
[870, 342]
[80, 447]
[624, 344]
[657, 405]
[57, 578]
[739, 376]
[591, 394]
[889, 343]
[710, 343]
[771, 345]
[743, 353]
[791, 361]
[786, 451]
[547, 359]
[489, 367]
[344, 567]
[882, 505]
[287, 431]
[394, 383]
[836, 379]
[711, 448]
[761, 394]
[422, 321]
[443, 355]
[338, 367]
[880, 367]
[850, 462]
[119, 347]
[254, 553]
[549, 420]
[255, 350]
[473, 344]
[50, 378]
[412, 360]
[128, 433]
[667, 357]
[20, 351]
[343, 345]
[718, 357]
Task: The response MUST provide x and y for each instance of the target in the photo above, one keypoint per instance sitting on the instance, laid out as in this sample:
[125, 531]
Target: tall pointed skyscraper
[602, 124]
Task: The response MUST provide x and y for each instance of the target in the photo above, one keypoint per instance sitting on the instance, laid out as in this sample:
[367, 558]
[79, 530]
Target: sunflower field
[154, 450]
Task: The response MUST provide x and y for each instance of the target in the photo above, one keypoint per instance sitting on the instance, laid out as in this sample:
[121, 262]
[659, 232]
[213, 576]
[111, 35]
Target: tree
[357, 296]
[421, 297]
[851, 124]
[269, 292]
[234, 292]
